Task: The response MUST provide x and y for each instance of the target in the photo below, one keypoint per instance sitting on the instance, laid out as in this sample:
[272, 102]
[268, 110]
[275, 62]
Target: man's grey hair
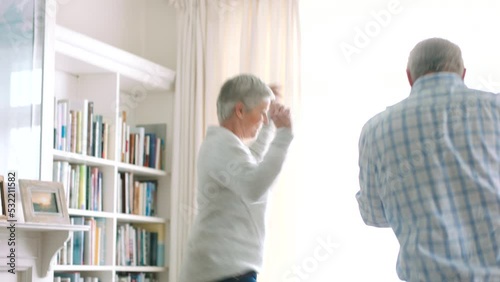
[245, 88]
[435, 55]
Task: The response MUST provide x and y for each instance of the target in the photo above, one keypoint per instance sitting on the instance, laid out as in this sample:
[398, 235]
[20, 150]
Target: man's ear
[463, 74]
[408, 74]
[239, 108]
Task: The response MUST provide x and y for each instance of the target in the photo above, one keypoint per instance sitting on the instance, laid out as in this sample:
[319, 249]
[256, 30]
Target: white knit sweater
[227, 236]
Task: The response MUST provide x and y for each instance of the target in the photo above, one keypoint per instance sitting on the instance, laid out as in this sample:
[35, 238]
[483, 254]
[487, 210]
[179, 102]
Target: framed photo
[3, 200]
[43, 202]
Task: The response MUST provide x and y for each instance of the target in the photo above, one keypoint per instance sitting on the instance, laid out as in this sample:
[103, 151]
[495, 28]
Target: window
[354, 61]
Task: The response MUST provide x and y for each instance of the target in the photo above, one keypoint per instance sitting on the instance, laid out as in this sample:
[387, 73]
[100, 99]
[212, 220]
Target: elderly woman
[227, 237]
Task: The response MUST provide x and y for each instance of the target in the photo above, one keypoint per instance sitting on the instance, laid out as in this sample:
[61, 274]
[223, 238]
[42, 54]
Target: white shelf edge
[59, 267]
[140, 170]
[83, 48]
[132, 218]
[78, 212]
[140, 268]
[42, 227]
[59, 155]
[84, 268]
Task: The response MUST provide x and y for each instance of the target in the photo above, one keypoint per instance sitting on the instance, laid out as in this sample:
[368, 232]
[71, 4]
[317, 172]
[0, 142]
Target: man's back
[431, 168]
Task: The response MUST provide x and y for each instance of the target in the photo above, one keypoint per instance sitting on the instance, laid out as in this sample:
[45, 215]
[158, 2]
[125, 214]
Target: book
[78, 241]
[157, 242]
[82, 193]
[3, 199]
[62, 124]
[105, 140]
[157, 133]
[139, 133]
[73, 131]
[68, 276]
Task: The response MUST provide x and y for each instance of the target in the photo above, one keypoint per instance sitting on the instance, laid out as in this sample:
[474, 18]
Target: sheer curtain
[219, 39]
[189, 123]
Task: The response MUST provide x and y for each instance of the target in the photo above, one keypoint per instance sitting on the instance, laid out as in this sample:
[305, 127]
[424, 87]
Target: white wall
[145, 28]
[341, 92]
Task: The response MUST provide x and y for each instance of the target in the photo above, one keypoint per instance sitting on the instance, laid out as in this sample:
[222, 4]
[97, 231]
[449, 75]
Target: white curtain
[189, 124]
[219, 39]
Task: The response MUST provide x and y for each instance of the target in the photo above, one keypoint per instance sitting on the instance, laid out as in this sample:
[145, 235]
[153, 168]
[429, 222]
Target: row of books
[83, 185]
[79, 130]
[140, 245]
[73, 277]
[136, 197]
[141, 145]
[120, 277]
[136, 277]
[85, 248]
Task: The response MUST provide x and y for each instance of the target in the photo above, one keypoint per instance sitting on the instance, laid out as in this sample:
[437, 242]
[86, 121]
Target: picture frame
[3, 199]
[43, 202]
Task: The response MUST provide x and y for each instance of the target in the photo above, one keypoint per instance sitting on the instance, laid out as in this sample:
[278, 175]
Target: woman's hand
[277, 92]
[277, 111]
[280, 115]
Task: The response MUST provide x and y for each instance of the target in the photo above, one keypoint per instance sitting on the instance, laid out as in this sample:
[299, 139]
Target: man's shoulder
[475, 98]
[379, 118]
[374, 120]
[483, 94]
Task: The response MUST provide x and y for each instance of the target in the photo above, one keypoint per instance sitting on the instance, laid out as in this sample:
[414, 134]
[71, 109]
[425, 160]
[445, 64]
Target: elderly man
[430, 170]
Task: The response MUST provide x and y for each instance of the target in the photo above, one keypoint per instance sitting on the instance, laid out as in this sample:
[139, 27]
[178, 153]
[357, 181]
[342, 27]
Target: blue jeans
[247, 277]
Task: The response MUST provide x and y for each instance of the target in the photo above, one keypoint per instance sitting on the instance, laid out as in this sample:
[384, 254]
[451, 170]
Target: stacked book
[83, 185]
[78, 129]
[140, 245]
[136, 277]
[73, 277]
[85, 248]
[136, 197]
[141, 145]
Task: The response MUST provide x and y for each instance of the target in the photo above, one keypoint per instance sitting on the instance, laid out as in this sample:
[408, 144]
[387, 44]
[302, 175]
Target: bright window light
[354, 61]
[22, 85]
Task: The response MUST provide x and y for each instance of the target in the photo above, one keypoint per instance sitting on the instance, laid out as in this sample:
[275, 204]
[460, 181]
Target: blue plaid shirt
[430, 170]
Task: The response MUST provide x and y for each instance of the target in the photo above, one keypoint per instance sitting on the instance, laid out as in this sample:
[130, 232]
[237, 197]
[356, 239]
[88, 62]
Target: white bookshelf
[85, 68]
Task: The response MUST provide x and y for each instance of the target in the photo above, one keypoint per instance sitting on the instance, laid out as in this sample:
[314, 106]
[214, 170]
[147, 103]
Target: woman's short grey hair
[435, 55]
[245, 88]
